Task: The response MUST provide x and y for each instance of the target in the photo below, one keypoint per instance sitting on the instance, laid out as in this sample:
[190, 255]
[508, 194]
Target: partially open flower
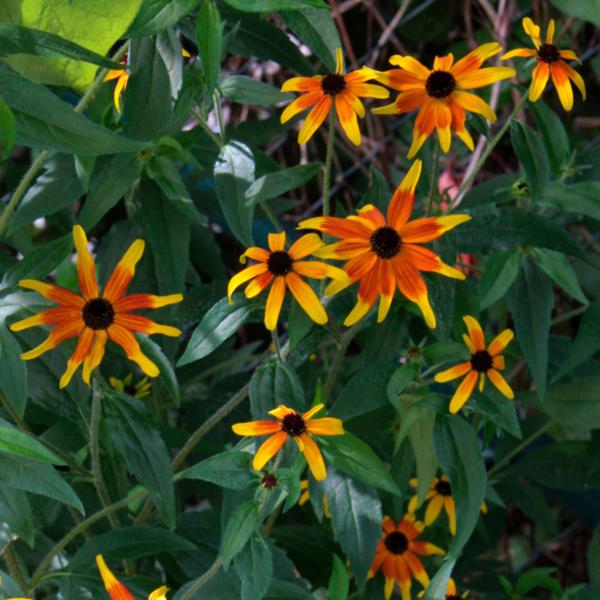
[141, 389]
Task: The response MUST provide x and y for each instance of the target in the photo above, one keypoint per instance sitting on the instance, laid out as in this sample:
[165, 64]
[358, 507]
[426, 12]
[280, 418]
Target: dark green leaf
[16, 512]
[13, 371]
[8, 130]
[231, 470]
[400, 380]
[157, 15]
[17, 443]
[139, 443]
[420, 435]
[240, 527]
[500, 410]
[557, 267]
[275, 383]
[217, 325]
[209, 35]
[269, 5]
[587, 10]
[276, 184]
[499, 274]
[246, 90]
[339, 582]
[530, 302]
[579, 198]
[554, 135]
[532, 155]
[254, 566]
[493, 191]
[167, 373]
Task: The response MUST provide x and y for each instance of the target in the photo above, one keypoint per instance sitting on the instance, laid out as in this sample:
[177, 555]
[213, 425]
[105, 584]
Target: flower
[93, 317]
[440, 94]
[322, 90]
[117, 591]
[284, 268]
[384, 254]
[305, 497]
[140, 390]
[451, 591]
[300, 428]
[481, 364]
[439, 496]
[550, 62]
[397, 553]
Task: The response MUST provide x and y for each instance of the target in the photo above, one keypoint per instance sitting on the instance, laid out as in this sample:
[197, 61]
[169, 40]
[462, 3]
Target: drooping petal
[81, 351]
[434, 507]
[443, 120]
[562, 84]
[302, 84]
[116, 590]
[519, 53]
[402, 202]
[416, 567]
[575, 77]
[475, 332]
[501, 383]
[387, 288]
[124, 271]
[474, 59]
[54, 293]
[463, 392]
[268, 449]
[459, 117]
[451, 512]
[306, 298]
[58, 335]
[120, 86]
[256, 428]
[305, 246]
[144, 325]
[314, 458]
[325, 426]
[276, 241]
[424, 125]
[500, 342]
[243, 276]
[94, 358]
[411, 284]
[86, 267]
[367, 294]
[354, 101]
[453, 372]
[539, 79]
[141, 301]
[348, 119]
[483, 77]
[474, 104]
[274, 303]
[427, 229]
[300, 104]
[130, 345]
[314, 119]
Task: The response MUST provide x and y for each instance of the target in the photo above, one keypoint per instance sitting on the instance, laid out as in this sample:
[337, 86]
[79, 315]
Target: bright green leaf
[238, 530]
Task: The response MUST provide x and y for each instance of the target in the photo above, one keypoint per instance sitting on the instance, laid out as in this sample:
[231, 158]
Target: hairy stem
[13, 567]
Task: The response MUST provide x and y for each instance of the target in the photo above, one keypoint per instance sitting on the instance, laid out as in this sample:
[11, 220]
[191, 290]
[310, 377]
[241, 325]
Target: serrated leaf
[240, 527]
[231, 470]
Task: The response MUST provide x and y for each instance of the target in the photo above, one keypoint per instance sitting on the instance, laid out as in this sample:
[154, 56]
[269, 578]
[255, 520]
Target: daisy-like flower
[551, 62]
[481, 364]
[305, 497]
[300, 427]
[397, 555]
[440, 95]
[345, 91]
[95, 318]
[141, 389]
[384, 253]
[117, 591]
[281, 269]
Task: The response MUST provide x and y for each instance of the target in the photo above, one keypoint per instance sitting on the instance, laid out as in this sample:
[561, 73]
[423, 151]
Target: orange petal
[314, 458]
[116, 590]
[52, 316]
[314, 119]
[474, 59]
[305, 246]
[562, 85]
[337, 227]
[463, 392]
[412, 65]
[124, 338]
[424, 259]
[124, 271]
[302, 84]
[140, 301]
[500, 342]
[424, 125]
[58, 335]
[274, 303]
[344, 250]
[520, 53]
[402, 202]
[81, 351]
[411, 284]
[300, 104]
[255, 253]
[276, 241]
[144, 325]
[54, 293]
[318, 270]
[430, 228]
[367, 90]
[500, 383]
[575, 77]
[268, 449]
[243, 276]
[443, 63]
[86, 268]
[256, 428]
[453, 372]
[475, 332]
[281, 411]
[416, 567]
[483, 77]
[474, 104]
[306, 298]
[373, 215]
[539, 78]
[94, 358]
[325, 426]
[258, 284]
[348, 119]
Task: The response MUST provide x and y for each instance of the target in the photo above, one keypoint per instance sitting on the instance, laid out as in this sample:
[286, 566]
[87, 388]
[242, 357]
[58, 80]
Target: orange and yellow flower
[398, 552]
[323, 91]
[281, 269]
[141, 389]
[440, 95]
[117, 591]
[95, 318]
[483, 362]
[551, 62]
[384, 253]
[298, 426]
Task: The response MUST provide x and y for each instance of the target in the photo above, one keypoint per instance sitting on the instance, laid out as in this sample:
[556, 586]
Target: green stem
[505, 460]
[32, 172]
[277, 345]
[569, 315]
[271, 216]
[434, 177]
[200, 582]
[328, 161]
[217, 101]
[13, 567]
[466, 184]
[208, 130]
[338, 358]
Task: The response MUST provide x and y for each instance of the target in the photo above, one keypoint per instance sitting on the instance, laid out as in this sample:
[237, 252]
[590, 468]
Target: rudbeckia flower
[438, 496]
[283, 269]
[481, 364]
[440, 95]
[336, 88]
[300, 428]
[550, 63]
[384, 253]
[139, 390]
[117, 591]
[305, 497]
[396, 555]
[95, 317]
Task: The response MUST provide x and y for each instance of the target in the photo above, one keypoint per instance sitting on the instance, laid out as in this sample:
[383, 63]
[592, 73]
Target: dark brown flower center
[98, 313]
[481, 361]
[269, 480]
[440, 84]
[333, 84]
[280, 262]
[443, 488]
[453, 597]
[130, 389]
[386, 242]
[548, 53]
[293, 424]
[396, 542]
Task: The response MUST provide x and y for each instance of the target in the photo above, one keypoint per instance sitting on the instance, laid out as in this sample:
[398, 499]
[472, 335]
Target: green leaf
[355, 520]
[459, 453]
[352, 456]
[94, 24]
[8, 130]
[400, 379]
[245, 90]
[318, 31]
[112, 178]
[554, 135]
[530, 302]
[16, 39]
[158, 15]
[532, 155]
[339, 582]
[167, 373]
[270, 5]
[15, 442]
[500, 410]
[587, 10]
[231, 470]
[420, 435]
[240, 527]
[13, 371]
[138, 441]
[254, 566]
[275, 383]
[579, 198]
[234, 173]
[557, 267]
[37, 478]
[217, 325]
[209, 35]
[499, 274]
[273, 185]
[493, 191]
[586, 343]
[412, 409]
[46, 122]
[56, 188]
[16, 512]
